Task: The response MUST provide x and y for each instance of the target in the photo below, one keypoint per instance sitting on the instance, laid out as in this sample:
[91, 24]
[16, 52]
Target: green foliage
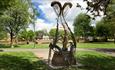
[5, 4]
[52, 32]
[106, 28]
[15, 17]
[30, 35]
[41, 32]
[26, 35]
[3, 34]
[82, 25]
[60, 34]
[23, 35]
[110, 19]
[102, 29]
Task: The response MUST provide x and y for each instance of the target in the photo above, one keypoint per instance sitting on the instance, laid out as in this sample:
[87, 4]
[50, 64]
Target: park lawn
[27, 61]
[79, 45]
[26, 46]
[20, 61]
[96, 45]
[32, 46]
[95, 60]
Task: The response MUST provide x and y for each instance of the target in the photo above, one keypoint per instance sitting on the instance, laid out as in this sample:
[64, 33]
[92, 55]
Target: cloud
[47, 20]
[41, 25]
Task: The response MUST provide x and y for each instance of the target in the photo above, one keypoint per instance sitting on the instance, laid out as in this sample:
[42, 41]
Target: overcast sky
[47, 17]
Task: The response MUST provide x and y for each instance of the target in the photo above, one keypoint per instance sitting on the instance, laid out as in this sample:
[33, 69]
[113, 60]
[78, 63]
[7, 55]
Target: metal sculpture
[61, 56]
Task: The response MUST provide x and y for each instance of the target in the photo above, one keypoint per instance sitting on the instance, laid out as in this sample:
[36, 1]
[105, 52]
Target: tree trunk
[114, 38]
[105, 39]
[78, 38]
[27, 41]
[11, 40]
[16, 40]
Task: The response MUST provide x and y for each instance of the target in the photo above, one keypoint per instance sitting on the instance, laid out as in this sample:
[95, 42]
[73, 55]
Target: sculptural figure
[61, 56]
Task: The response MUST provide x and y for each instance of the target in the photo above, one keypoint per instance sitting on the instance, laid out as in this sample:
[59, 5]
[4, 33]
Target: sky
[47, 18]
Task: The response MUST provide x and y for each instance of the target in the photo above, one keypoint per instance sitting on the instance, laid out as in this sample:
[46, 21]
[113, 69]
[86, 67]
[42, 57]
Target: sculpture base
[63, 59]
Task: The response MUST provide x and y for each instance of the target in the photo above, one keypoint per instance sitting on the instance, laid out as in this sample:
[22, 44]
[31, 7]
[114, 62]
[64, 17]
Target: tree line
[103, 29]
[16, 15]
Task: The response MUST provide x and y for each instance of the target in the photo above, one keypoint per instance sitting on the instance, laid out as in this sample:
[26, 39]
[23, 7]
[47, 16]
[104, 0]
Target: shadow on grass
[89, 62]
[8, 62]
[92, 62]
[105, 50]
[4, 46]
[101, 42]
[8, 46]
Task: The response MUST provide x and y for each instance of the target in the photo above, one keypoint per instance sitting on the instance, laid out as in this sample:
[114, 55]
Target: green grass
[26, 46]
[32, 46]
[96, 45]
[95, 61]
[28, 61]
[79, 45]
[20, 61]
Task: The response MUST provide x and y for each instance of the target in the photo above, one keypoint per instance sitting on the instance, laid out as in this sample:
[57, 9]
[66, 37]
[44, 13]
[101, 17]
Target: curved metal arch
[66, 5]
[59, 5]
[61, 13]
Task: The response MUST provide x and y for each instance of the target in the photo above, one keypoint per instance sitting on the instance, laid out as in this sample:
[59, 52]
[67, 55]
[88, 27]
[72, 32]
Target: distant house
[45, 37]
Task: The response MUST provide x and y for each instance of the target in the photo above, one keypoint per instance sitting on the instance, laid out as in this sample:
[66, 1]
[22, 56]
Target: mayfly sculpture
[62, 56]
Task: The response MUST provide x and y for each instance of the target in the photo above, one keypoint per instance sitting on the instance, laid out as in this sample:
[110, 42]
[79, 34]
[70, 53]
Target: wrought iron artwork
[62, 56]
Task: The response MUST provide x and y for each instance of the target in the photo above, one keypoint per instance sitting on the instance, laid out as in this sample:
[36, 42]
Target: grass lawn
[79, 45]
[27, 61]
[95, 61]
[96, 45]
[26, 46]
[20, 61]
[32, 45]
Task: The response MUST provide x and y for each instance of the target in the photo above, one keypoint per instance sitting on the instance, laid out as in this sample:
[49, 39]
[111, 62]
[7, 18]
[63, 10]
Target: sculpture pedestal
[63, 59]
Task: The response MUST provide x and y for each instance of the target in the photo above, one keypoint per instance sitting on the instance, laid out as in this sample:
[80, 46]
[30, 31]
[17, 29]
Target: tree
[95, 6]
[41, 33]
[52, 32]
[31, 35]
[60, 35]
[15, 18]
[5, 4]
[23, 35]
[34, 14]
[106, 27]
[82, 25]
[3, 34]
[110, 18]
[102, 30]
[26, 35]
